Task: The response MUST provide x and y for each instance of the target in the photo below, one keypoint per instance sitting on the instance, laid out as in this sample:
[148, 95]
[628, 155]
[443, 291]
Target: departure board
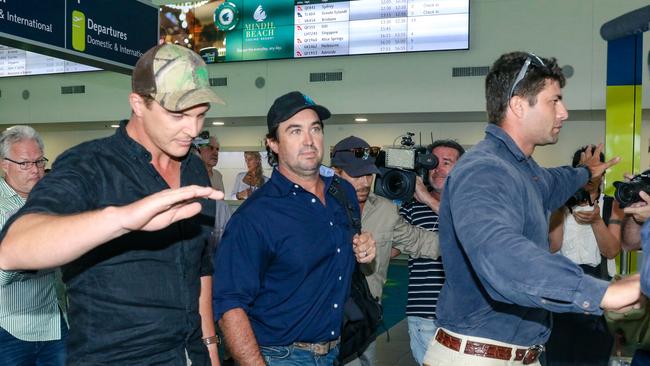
[15, 62]
[237, 30]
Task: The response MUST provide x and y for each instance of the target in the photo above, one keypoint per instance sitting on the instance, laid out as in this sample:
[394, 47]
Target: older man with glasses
[502, 282]
[32, 328]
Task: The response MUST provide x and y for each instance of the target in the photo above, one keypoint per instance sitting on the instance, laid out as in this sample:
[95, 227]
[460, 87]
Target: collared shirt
[380, 217]
[502, 280]
[426, 276]
[286, 260]
[29, 309]
[132, 300]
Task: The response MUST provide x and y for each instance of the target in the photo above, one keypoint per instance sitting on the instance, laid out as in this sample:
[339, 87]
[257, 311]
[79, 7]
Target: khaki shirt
[381, 218]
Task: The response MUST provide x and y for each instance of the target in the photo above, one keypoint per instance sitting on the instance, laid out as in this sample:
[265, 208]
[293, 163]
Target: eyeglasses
[531, 59]
[360, 152]
[26, 165]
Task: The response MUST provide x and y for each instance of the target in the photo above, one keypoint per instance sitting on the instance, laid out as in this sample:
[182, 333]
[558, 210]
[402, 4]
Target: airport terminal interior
[381, 79]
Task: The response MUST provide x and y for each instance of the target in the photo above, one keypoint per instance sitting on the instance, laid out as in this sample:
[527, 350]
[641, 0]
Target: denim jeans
[421, 332]
[15, 352]
[292, 356]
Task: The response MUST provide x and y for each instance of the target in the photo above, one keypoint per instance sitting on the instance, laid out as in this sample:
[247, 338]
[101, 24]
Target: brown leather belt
[526, 355]
[319, 349]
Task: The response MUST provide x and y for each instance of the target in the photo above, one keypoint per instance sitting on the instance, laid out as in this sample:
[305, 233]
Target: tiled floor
[397, 351]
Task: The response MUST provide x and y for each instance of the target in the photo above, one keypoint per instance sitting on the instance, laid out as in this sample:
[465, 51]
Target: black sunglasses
[360, 152]
[530, 59]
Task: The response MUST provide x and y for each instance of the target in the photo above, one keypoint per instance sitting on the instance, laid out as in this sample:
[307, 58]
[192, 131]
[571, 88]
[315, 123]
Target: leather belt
[526, 355]
[319, 349]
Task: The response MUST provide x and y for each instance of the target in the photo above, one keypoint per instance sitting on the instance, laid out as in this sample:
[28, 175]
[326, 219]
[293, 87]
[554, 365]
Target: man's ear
[272, 144]
[137, 104]
[518, 105]
[5, 166]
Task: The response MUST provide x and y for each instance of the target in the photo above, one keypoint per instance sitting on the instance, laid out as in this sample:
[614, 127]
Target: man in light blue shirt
[32, 328]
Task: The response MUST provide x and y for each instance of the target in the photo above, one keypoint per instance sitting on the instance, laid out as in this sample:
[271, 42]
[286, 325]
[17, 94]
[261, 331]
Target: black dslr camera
[627, 193]
[400, 166]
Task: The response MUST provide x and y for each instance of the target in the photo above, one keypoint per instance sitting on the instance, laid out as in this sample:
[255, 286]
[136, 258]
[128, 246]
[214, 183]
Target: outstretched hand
[592, 161]
[162, 209]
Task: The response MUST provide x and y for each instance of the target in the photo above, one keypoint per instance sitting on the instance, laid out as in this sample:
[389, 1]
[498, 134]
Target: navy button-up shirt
[133, 300]
[502, 280]
[286, 260]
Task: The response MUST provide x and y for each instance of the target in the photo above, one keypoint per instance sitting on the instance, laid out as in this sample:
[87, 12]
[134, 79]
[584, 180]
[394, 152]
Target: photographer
[587, 230]
[426, 276]
[354, 160]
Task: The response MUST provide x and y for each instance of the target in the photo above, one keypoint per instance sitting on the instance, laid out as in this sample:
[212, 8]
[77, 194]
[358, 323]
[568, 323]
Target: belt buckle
[532, 354]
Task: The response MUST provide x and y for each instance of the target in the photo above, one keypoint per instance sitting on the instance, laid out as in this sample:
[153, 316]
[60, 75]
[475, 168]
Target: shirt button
[543, 301]
[332, 332]
[585, 304]
[338, 250]
[336, 306]
[313, 200]
[294, 193]
[295, 186]
[331, 223]
[340, 278]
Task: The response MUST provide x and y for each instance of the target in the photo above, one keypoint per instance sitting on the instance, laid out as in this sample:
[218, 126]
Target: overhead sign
[110, 34]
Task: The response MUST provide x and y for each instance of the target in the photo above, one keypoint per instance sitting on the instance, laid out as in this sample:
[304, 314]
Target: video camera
[399, 168]
[627, 193]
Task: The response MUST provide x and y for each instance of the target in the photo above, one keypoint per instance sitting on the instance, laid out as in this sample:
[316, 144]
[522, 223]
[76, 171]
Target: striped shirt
[29, 307]
[426, 276]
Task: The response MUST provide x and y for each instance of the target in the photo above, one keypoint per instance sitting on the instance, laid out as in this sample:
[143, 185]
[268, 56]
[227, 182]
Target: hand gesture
[161, 209]
[422, 195]
[593, 163]
[364, 247]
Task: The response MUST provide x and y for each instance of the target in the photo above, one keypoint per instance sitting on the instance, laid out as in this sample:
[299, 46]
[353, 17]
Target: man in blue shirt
[285, 262]
[502, 281]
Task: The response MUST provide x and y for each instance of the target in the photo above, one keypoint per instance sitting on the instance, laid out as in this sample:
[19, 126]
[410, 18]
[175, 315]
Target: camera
[627, 193]
[399, 168]
[202, 139]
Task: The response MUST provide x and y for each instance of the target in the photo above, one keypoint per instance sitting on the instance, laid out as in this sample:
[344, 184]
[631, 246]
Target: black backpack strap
[337, 192]
[608, 201]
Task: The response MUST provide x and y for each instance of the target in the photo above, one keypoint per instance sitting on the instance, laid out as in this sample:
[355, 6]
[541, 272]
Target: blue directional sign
[110, 34]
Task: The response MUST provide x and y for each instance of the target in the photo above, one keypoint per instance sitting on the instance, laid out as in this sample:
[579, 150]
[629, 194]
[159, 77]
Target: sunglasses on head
[530, 59]
[360, 152]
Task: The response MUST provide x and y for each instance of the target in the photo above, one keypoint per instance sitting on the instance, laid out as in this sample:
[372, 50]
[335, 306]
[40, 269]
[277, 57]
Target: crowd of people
[506, 258]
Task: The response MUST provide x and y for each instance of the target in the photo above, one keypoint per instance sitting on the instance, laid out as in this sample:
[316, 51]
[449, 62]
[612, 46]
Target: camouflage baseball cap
[174, 76]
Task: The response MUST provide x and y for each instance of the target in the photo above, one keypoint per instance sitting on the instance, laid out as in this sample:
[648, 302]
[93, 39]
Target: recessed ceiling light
[361, 119]
[218, 123]
[115, 126]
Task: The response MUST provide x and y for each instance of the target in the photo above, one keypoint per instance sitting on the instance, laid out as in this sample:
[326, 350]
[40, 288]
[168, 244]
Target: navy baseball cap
[355, 157]
[291, 103]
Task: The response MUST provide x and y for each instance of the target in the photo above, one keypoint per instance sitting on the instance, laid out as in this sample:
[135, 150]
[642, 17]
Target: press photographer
[399, 168]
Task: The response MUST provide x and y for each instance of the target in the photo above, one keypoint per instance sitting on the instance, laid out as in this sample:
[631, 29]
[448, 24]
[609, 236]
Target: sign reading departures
[111, 34]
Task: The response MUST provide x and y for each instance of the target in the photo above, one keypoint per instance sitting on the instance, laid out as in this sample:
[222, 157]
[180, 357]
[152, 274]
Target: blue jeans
[421, 332]
[292, 356]
[14, 352]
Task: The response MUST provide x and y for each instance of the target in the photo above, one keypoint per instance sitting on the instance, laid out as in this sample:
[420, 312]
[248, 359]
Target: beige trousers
[439, 355]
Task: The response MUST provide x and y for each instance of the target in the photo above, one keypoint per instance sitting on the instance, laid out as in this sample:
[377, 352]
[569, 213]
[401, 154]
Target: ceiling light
[359, 119]
[218, 123]
[115, 126]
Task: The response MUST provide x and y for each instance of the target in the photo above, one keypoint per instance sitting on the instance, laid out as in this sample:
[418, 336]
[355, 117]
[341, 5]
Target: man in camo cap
[128, 218]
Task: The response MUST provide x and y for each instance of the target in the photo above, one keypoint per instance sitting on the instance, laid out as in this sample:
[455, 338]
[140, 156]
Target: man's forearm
[207, 318]
[631, 237]
[38, 241]
[239, 337]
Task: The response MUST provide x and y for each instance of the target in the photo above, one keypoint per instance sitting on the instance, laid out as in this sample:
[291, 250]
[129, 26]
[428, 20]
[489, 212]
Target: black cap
[344, 158]
[289, 104]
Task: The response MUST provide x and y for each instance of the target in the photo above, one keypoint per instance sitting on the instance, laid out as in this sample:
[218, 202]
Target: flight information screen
[15, 62]
[238, 30]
